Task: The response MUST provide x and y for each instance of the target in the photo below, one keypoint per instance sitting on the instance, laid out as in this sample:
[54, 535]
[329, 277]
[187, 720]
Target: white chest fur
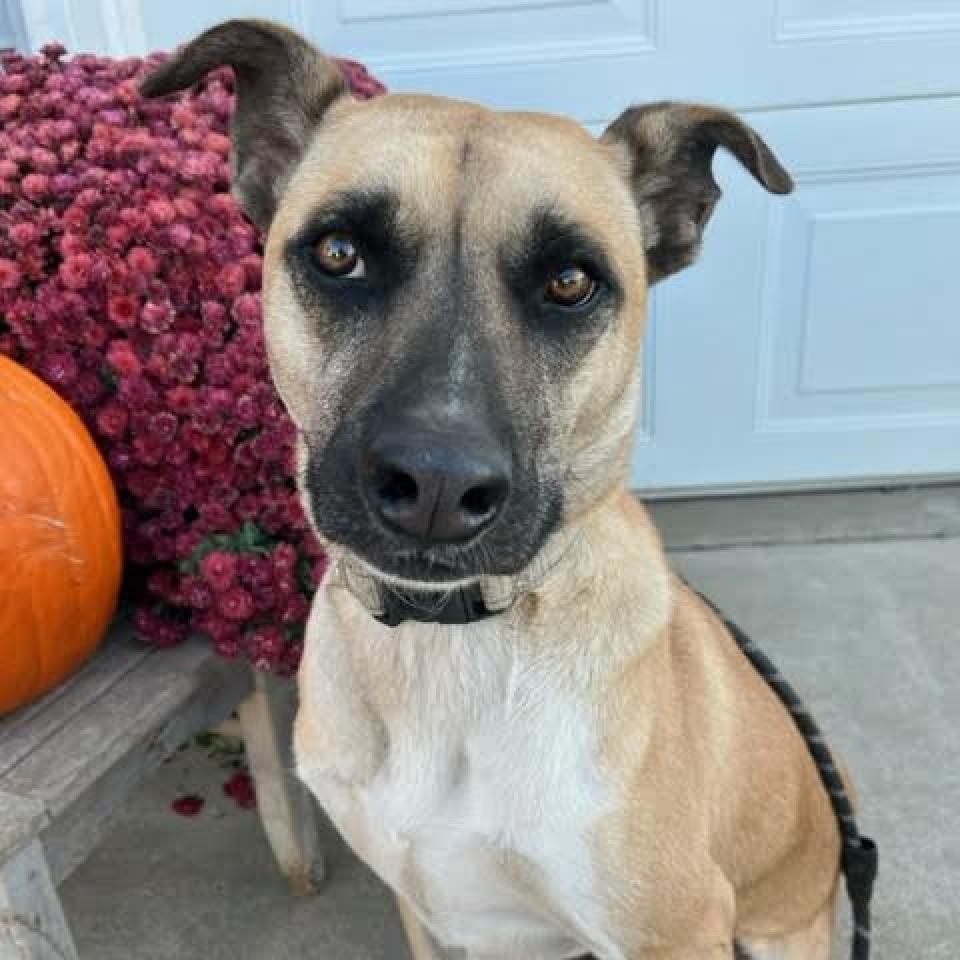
[462, 767]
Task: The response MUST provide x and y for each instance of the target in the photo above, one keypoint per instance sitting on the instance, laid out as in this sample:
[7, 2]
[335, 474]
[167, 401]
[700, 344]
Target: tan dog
[455, 303]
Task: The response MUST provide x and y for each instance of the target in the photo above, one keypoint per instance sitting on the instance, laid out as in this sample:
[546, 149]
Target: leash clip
[860, 868]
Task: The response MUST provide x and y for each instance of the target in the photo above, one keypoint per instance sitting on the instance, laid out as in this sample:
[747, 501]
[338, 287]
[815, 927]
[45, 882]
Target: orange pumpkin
[60, 540]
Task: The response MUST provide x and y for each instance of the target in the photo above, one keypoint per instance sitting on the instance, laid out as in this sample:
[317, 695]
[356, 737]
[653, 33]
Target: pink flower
[112, 419]
[246, 309]
[180, 235]
[197, 593]
[219, 569]
[186, 207]
[290, 661]
[142, 261]
[240, 789]
[43, 160]
[161, 212]
[156, 317]
[181, 399]
[122, 358]
[216, 517]
[10, 105]
[235, 604]
[35, 186]
[163, 427]
[186, 541]
[10, 274]
[76, 217]
[76, 270]
[119, 457]
[123, 310]
[284, 557]
[188, 805]
[118, 235]
[217, 143]
[231, 280]
[242, 238]
[135, 390]
[59, 369]
[182, 116]
[198, 164]
[295, 609]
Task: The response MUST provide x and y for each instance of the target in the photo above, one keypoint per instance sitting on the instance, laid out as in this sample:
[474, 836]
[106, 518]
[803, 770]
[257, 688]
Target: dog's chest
[482, 808]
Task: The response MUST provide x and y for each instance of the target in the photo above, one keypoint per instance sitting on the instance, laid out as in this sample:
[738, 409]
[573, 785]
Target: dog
[538, 736]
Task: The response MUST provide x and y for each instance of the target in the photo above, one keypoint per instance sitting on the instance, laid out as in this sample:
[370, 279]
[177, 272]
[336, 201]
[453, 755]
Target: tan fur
[688, 809]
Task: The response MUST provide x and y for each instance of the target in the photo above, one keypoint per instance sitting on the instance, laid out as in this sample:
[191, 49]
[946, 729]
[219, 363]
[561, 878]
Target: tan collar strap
[486, 597]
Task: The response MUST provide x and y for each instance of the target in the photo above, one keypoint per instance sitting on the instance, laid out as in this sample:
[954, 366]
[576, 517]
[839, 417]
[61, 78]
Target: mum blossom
[130, 282]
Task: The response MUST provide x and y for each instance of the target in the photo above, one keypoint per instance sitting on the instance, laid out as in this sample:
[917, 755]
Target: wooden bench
[69, 762]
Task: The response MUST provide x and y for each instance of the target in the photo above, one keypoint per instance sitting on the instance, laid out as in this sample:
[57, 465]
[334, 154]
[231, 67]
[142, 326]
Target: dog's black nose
[437, 488]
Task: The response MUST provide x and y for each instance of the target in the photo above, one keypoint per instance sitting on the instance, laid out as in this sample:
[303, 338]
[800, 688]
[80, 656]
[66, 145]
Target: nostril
[481, 501]
[396, 488]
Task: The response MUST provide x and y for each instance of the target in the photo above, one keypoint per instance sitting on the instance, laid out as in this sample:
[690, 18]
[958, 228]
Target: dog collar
[486, 597]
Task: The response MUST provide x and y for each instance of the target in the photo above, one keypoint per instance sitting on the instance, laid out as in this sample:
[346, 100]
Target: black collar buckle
[462, 605]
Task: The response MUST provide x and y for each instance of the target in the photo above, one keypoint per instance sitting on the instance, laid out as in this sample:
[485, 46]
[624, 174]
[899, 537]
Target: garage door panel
[859, 321]
[860, 317]
[419, 35]
[812, 20]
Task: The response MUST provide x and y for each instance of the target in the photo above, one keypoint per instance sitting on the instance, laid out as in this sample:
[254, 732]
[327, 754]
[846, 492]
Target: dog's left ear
[283, 85]
[669, 151]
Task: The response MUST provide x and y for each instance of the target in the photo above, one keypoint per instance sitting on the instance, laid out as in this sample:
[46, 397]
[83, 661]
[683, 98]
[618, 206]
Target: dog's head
[454, 297]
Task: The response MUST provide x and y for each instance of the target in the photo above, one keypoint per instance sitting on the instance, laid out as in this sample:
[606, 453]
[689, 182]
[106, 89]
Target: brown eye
[570, 287]
[337, 255]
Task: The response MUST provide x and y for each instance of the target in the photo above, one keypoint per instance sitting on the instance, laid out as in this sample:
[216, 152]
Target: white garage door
[818, 339]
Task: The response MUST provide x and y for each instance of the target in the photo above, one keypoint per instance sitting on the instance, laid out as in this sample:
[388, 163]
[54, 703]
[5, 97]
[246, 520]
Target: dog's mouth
[426, 568]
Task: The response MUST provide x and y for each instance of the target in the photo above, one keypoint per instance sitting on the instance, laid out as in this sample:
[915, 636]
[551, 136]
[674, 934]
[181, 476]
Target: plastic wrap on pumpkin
[60, 540]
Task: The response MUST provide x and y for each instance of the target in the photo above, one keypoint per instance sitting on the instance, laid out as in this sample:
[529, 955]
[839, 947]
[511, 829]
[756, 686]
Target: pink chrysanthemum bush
[130, 282]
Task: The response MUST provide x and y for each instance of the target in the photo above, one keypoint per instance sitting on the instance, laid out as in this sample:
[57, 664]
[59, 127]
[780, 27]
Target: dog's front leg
[422, 944]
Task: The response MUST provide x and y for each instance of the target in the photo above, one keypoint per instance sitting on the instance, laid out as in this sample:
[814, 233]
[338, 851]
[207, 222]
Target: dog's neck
[488, 596]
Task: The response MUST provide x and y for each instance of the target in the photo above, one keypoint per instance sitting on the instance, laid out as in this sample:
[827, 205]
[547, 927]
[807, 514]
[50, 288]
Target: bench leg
[32, 925]
[287, 810]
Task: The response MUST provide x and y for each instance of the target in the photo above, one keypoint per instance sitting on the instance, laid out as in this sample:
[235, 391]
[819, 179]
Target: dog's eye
[571, 286]
[337, 255]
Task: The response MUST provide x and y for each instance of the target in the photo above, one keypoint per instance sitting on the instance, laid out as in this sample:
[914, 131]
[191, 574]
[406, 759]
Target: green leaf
[305, 576]
[248, 539]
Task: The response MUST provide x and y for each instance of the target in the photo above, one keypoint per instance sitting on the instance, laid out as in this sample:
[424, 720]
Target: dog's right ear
[283, 86]
[668, 149]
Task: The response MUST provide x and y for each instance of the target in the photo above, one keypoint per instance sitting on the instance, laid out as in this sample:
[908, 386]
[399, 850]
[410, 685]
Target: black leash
[858, 859]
